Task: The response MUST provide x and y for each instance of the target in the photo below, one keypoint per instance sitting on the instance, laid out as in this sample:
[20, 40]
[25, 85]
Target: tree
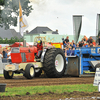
[2, 2]
[6, 41]
[1, 40]
[10, 13]
[21, 40]
[11, 41]
[16, 39]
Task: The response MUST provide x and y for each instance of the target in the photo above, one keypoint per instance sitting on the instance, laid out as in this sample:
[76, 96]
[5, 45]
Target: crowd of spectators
[5, 54]
[85, 42]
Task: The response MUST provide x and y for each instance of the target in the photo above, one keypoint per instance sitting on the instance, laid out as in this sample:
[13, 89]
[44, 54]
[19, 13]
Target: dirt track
[21, 81]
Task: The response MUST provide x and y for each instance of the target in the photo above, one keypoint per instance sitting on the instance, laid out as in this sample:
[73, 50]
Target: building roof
[55, 32]
[42, 30]
[9, 33]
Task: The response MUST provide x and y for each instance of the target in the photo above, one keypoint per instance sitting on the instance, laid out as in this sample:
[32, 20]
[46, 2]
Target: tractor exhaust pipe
[24, 43]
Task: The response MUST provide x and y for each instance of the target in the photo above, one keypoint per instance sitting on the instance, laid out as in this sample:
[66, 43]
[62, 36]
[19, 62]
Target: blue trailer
[83, 62]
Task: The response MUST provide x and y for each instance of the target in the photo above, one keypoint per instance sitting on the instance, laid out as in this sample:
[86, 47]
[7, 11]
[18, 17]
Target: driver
[39, 48]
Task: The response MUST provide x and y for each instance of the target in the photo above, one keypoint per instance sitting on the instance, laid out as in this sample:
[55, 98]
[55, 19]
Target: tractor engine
[23, 54]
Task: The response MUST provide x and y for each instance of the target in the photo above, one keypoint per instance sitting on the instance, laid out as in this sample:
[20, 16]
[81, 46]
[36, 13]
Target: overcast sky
[57, 14]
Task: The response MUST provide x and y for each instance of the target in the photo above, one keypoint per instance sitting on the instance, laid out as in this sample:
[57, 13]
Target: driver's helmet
[38, 42]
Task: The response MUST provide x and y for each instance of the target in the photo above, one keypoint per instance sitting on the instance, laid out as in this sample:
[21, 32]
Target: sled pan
[2, 87]
[72, 68]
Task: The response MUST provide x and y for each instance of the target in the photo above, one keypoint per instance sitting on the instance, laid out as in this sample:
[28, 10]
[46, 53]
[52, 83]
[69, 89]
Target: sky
[58, 15]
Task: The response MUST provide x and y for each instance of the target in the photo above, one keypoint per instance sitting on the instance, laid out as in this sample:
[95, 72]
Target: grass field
[46, 89]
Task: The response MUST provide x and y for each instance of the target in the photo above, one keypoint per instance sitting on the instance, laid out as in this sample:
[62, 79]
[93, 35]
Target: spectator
[64, 44]
[4, 53]
[66, 51]
[73, 43]
[72, 51]
[63, 41]
[90, 41]
[77, 45]
[85, 38]
[9, 55]
[1, 56]
[94, 43]
[80, 44]
[72, 46]
[67, 40]
[91, 45]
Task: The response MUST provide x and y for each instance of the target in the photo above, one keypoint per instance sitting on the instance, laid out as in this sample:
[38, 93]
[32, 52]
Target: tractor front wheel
[8, 74]
[29, 71]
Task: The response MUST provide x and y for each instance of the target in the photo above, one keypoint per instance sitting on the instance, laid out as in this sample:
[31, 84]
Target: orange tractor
[26, 60]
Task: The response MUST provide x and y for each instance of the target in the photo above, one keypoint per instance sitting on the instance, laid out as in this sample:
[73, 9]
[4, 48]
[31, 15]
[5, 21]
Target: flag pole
[19, 22]
[22, 22]
[19, 25]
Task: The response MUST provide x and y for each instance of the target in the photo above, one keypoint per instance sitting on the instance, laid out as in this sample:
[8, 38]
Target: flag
[22, 22]
[77, 23]
[98, 25]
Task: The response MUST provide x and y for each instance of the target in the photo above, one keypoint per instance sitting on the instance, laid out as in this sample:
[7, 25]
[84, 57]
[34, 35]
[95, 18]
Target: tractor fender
[30, 64]
[43, 54]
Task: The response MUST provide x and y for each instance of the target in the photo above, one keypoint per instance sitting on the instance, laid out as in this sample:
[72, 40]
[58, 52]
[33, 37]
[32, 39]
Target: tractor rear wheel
[54, 63]
[29, 71]
[8, 74]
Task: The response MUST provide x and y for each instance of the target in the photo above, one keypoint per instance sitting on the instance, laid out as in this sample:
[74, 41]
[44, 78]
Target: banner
[77, 23]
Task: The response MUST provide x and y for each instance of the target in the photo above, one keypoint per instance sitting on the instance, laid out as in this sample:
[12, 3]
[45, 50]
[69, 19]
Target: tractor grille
[15, 50]
[23, 57]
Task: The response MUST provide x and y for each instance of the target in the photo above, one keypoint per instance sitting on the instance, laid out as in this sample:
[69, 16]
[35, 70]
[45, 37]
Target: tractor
[24, 60]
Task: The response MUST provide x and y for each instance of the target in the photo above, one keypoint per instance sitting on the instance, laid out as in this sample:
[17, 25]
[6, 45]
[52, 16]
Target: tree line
[10, 41]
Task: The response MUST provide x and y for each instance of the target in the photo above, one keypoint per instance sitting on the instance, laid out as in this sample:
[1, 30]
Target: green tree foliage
[10, 12]
[5, 41]
[1, 40]
[2, 2]
[10, 41]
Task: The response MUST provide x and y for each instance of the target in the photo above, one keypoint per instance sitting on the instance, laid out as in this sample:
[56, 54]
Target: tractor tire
[29, 71]
[38, 72]
[8, 74]
[54, 63]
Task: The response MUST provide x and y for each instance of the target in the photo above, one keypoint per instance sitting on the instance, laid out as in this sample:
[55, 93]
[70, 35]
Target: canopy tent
[17, 44]
[4, 45]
